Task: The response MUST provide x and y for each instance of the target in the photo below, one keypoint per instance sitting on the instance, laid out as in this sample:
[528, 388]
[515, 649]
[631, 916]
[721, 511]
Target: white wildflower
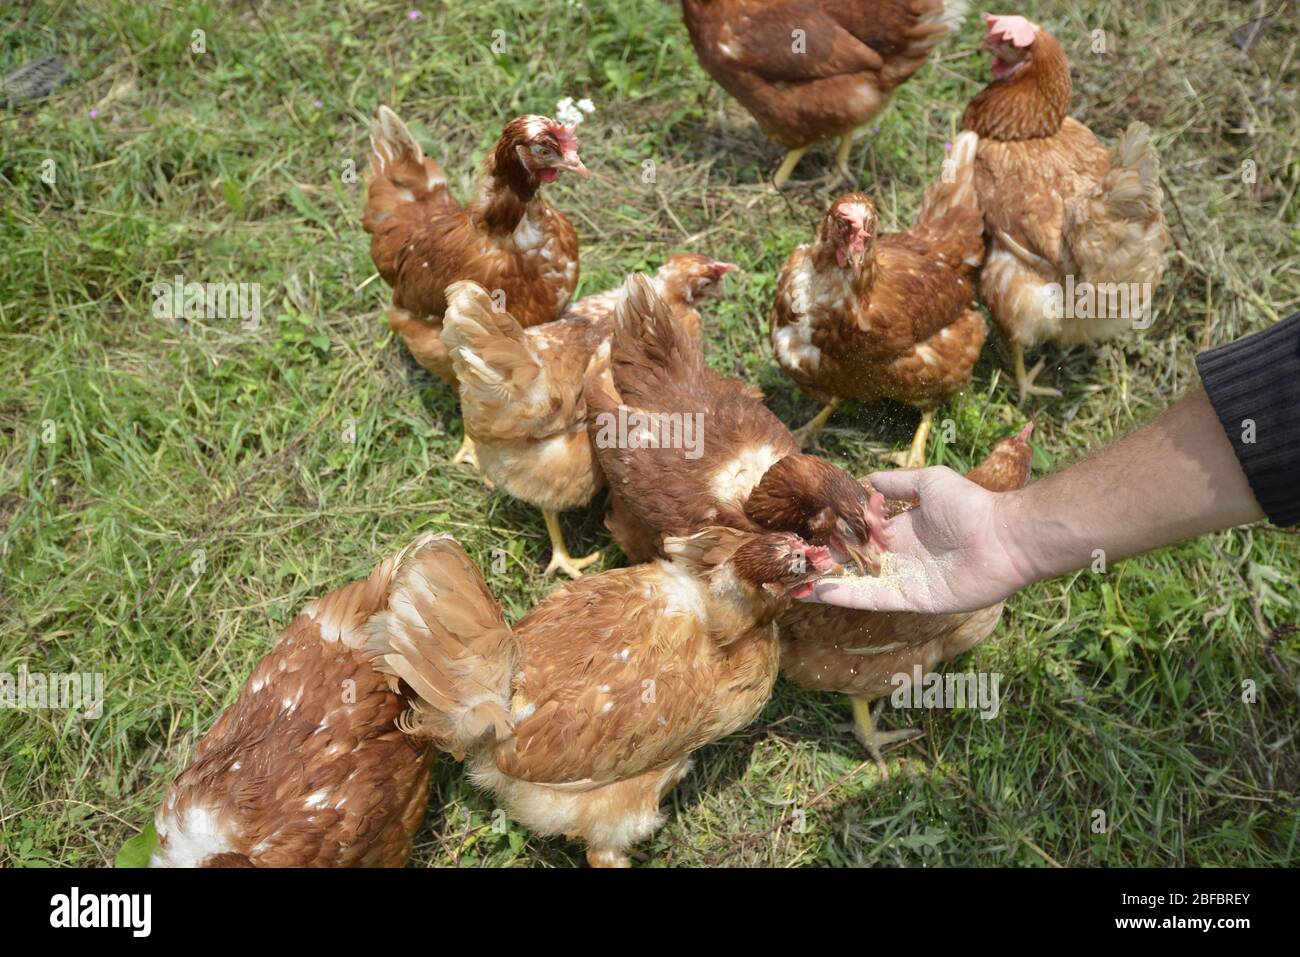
[570, 113]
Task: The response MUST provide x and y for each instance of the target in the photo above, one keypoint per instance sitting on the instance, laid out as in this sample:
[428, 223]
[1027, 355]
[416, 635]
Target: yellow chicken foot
[466, 454]
[787, 166]
[1025, 380]
[842, 156]
[864, 729]
[914, 458]
[809, 435]
[561, 560]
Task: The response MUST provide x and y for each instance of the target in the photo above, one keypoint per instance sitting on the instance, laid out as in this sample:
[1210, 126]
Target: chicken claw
[864, 729]
[787, 166]
[561, 560]
[842, 158]
[466, 455]
[809, 435]
[914, 457]
[1025, 380]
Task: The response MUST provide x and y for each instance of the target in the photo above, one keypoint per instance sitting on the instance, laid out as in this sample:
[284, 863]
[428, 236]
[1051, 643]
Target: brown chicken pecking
[685, 448]
[307, 768]
[811, 70]
[858, 653]
[872, 317]
[521, 390]
[581, 717]
[1076, 234]
[508, 239]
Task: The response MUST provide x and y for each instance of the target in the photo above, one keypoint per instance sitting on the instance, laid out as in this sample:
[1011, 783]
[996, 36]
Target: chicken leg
[864, 729]
[561, 560]
[787, 166]
[466, 455]
[808, 435]
[842, 156]
[914, 458]
[1025, 380]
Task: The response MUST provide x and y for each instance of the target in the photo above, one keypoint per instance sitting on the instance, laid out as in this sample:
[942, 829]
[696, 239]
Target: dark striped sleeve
[1254, 386]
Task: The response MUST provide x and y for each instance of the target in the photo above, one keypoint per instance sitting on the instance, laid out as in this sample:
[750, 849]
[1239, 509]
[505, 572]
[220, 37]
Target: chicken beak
[859, 245]
[574, 165]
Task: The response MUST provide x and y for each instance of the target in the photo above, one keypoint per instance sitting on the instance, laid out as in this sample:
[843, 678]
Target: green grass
[1122, 691]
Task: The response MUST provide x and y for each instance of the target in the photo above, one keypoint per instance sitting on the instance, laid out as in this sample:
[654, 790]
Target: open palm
[952, 553]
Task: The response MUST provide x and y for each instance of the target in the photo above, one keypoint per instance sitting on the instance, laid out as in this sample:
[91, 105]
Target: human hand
[957, 551]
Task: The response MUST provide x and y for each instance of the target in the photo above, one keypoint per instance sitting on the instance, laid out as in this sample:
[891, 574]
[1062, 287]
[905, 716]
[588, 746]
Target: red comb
[1015, 29]
[564, 136]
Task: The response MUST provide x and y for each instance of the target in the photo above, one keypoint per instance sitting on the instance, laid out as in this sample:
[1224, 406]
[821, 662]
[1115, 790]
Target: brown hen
[684, 448]
[1076, 234]
[584, 715]
[508, 239]
[859, 653]
[521, 390]
[307, 768]
[891, 317]
[810, 70]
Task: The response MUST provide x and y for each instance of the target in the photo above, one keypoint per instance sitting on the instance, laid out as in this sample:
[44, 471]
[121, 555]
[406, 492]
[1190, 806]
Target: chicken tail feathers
[342, 614]
[502, 383]
[650, 347]
[443, 634]
[1132, 186]
[400, 174]
[1115, 232]
[935, 21]
[950, 227]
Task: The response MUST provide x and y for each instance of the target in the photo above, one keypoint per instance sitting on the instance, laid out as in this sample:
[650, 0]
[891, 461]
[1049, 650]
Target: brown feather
[307, 768]
[583, 715]
[827, 648]
[903, 325]
[508, 238]
[855, 54]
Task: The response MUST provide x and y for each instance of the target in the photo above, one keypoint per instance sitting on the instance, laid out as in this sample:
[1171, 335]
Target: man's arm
[1171, 480]
[965, 548]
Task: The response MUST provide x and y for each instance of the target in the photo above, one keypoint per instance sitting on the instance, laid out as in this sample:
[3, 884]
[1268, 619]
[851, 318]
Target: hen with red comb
[507, 239]
[1061, 212]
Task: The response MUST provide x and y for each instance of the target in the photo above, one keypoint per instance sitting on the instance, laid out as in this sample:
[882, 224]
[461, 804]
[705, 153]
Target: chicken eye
[541, 152]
